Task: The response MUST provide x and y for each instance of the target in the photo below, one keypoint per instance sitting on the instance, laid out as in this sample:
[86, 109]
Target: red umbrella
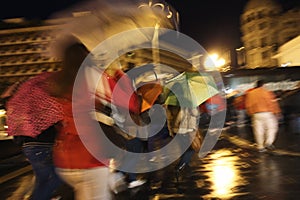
[117, 89]
[31, 110]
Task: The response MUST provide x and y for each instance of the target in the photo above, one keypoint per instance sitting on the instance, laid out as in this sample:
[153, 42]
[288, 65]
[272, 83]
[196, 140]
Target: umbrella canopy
[190, 89]
[104, 19]
[109, 29]
[118, 90]
[149, 93]
[31, 109]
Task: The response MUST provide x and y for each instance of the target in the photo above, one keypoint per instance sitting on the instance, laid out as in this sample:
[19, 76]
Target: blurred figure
[135, 131]
[32, 114]
[182, 121]
[240, 109]
[213, 108]
[264, 110]
[74, 162]
[99, 31]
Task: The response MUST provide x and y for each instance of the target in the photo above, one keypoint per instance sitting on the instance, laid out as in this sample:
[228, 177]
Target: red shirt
[69, 152]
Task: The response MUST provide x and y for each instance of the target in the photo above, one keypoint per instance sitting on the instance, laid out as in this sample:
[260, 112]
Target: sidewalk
[286, 143]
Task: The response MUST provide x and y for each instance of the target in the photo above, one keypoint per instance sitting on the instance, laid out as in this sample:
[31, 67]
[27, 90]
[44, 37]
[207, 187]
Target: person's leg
[130, 162]
[258, 130]
[88, 183]
[156, 143]
[240, 117]
[187, 154]
[272, 129]
[186, 158]
[47, 181]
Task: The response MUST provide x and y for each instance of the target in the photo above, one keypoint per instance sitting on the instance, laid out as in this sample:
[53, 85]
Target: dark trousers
[187, 155]
[46, 179]
[130, 162]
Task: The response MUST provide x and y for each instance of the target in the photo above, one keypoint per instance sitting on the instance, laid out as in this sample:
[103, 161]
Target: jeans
[46, 179]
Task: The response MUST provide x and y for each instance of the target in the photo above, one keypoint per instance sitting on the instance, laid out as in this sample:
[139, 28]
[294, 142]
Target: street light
[214, 62]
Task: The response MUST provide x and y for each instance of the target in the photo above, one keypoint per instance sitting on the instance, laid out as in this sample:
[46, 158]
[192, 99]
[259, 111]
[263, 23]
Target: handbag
[197, 140]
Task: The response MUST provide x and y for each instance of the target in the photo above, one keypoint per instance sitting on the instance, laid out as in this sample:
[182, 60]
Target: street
[232, 170]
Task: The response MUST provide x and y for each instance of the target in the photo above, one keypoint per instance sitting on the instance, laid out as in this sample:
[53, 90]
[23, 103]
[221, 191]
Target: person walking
[182, 122]
[264, 110]
[76, 165]
[239, 105]
[31, 118]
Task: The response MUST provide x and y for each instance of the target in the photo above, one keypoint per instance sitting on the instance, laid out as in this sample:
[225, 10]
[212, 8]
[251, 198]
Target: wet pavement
[232, 170]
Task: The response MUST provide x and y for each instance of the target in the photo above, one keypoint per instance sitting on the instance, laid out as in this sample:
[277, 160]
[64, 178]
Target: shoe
[270, 147]
[262, 150]
[136, 183]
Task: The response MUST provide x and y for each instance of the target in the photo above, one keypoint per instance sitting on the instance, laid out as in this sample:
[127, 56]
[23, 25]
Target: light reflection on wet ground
[232, 171]
[224, 172]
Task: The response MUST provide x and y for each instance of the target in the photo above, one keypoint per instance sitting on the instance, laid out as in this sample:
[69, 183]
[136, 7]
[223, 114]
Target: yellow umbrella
[190, 89]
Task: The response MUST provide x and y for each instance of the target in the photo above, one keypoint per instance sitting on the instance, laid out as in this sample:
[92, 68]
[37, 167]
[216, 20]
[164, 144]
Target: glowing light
[214, 62]
[224, 174]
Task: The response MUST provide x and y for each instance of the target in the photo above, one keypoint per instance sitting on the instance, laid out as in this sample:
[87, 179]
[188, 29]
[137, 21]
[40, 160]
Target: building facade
[25, 50]
[265, 26]
[289, 53]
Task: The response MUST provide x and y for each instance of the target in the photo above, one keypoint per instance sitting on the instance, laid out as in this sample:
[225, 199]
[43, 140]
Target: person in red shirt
[239, 105]
[76, 138]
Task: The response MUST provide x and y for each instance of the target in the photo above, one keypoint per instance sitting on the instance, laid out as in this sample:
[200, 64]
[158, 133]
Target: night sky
[212, 23]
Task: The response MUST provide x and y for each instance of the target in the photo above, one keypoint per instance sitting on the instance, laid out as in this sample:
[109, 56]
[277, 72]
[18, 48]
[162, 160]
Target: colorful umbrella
[149, 93]
[118, 90]
[189, 89]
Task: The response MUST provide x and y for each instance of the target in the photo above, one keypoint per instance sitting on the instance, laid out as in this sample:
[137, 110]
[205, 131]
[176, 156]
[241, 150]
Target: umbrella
[105, 19]
[109, 29]
[149, 93]
[117, 89]
[31, 109]
[189, 89]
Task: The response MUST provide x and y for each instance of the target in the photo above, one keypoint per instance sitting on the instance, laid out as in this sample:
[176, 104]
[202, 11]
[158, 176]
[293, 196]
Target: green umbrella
[189, 89]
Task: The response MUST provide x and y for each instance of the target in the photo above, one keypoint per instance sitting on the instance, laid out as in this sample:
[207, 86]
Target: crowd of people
[63, 141]
[52, 116]
[41, 117]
